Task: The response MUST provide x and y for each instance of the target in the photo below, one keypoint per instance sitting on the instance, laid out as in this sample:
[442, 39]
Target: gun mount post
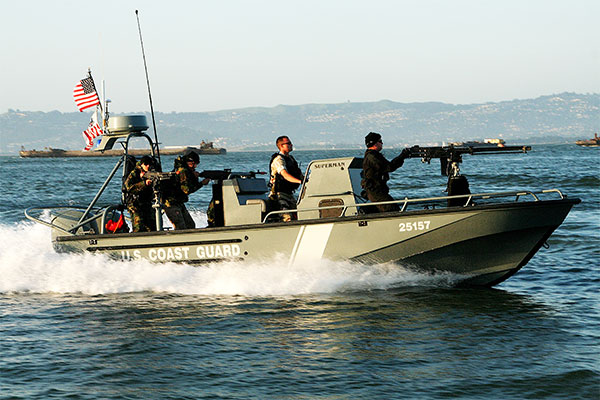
[157, 179]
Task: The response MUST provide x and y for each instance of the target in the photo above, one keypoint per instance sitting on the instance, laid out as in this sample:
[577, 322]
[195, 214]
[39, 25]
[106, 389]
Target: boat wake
[29, 264]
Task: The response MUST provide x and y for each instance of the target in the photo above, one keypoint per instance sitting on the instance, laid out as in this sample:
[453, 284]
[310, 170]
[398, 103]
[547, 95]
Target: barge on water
[174, 150]
[593, 142]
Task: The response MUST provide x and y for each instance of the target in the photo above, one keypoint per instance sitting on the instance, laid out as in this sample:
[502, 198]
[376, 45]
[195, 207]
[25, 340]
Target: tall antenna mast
[148, 84]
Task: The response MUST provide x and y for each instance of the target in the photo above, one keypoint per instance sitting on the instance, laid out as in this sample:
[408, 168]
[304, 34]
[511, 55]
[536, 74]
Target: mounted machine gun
[450, 158]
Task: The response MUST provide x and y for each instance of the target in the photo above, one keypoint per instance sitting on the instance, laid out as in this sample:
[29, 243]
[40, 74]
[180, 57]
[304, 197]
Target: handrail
[104, 185]
[46, 223]
[72, 229]
[469, 198]
[405, 202]
[562, 196]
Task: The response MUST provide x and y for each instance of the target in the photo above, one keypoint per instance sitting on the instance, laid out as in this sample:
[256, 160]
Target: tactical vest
[130, 162]
[281, 184]
[171, 188]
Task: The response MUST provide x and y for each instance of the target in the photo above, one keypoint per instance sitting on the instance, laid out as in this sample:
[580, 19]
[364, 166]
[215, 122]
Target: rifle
[219, 175]
[156, 176]
[215, 174]
[451, 156]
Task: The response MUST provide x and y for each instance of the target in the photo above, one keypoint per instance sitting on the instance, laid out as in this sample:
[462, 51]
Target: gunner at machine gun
[184, 183]
[167, 184]
[376, 173]
[450, 157]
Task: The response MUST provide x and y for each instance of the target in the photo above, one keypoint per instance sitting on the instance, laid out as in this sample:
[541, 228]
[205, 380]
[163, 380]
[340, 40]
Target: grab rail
[102, 211]
[50, 224]
[72, 229]
[406, 201]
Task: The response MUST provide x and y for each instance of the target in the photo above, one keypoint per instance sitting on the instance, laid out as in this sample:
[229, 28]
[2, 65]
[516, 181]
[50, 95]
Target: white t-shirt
[277, 165]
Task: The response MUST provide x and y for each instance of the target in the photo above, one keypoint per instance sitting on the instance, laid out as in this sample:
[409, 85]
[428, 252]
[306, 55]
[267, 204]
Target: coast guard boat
[483, 238]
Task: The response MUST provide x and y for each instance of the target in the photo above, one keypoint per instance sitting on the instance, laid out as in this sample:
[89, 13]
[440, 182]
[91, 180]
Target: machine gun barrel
[429, 153]
[449, 155]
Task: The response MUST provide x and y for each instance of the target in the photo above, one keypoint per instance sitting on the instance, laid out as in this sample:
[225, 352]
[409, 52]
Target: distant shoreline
[268, 149]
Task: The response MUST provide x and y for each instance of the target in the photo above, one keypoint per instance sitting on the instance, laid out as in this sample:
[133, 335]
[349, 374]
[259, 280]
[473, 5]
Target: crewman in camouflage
[140, 196]
[186, 183]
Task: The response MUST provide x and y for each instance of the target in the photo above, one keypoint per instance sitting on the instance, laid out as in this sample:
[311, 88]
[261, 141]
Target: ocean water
[86, 327]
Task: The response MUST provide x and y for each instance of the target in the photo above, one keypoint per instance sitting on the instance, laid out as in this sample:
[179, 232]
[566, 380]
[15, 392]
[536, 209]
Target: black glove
[405, 153]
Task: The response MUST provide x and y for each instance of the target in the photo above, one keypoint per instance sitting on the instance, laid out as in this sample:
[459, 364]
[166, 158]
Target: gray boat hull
[483, 244]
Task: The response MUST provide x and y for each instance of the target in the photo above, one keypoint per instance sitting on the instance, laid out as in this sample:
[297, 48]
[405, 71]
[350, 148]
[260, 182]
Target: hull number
[414, 226]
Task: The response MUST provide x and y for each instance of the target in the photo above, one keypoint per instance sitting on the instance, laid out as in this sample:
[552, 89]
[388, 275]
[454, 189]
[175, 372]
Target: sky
[216, 55]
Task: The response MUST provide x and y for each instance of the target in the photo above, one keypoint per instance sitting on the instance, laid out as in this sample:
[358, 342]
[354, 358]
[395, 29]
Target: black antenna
[148, 84]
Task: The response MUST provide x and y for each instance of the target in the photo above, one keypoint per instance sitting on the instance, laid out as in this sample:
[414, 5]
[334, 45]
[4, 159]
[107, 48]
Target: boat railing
[426, 201]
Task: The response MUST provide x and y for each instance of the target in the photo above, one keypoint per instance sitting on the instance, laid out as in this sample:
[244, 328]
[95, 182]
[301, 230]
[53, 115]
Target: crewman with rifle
[177, 194]
[376, 173]
[139, 196]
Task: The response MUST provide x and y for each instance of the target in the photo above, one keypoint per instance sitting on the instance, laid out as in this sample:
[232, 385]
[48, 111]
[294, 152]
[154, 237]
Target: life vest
[280, 183]
[116, 226]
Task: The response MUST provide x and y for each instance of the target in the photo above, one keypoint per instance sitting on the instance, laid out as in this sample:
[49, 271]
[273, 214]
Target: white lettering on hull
[217, 251]
[131, 255]
[169, 254]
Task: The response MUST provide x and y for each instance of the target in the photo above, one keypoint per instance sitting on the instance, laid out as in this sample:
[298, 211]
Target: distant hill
[557, 118]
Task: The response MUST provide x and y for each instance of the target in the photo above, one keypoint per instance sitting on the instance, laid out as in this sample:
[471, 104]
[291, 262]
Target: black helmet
[192, 156]
[147, 160]
[372, 138]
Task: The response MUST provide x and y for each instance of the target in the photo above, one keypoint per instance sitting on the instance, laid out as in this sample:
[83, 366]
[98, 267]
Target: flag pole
[103, 102]
[148, 84]
[94, 84]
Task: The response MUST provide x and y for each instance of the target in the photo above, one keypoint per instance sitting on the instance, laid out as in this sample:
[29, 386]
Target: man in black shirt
[376, 171]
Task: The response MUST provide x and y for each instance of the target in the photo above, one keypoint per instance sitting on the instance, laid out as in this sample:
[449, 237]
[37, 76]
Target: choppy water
[85, 327]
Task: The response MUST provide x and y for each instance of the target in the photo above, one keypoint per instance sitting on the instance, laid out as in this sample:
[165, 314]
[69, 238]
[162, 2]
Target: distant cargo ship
[593, 142]
[204, 148]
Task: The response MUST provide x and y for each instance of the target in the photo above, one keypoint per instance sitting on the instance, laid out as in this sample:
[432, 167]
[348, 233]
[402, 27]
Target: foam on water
[28, 263]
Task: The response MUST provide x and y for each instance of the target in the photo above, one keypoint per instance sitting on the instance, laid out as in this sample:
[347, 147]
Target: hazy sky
[213, 55]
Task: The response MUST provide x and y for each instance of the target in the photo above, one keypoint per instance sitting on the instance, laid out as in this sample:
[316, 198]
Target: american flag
[85, 94]
[92, 132]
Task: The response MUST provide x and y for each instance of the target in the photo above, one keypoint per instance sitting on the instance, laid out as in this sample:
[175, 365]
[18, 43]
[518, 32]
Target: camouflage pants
[211, 216]
[179, 216]
[143, 218]
[285, 201]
